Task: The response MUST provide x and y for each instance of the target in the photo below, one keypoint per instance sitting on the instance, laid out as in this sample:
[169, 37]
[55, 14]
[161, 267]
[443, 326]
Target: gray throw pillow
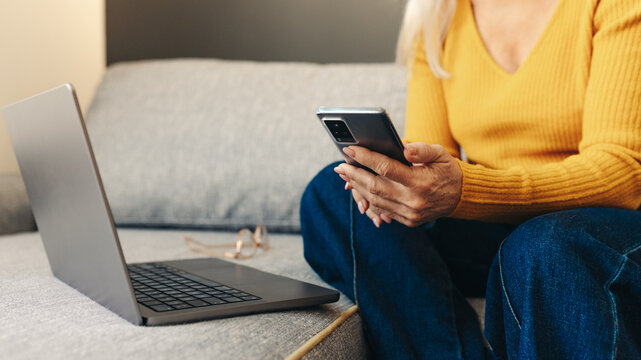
[223, 144]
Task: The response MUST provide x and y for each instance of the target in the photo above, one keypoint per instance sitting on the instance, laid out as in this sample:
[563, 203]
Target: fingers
[377, 215]
[381, 205]
[377, 185]
[388, 217]
[363, 208]
[380, 163]
[362, 204]
[377, 197]
[420, 153]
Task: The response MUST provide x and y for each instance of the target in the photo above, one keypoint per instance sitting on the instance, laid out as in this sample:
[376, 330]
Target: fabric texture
[44, 317]
[223, 144]
[563, 285]
[15, 212]
[561, 132]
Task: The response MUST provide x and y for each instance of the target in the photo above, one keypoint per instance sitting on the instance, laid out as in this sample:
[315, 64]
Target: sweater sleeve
[426, 113]
[606, 172]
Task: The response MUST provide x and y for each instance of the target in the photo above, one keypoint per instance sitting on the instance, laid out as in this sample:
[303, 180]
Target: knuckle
[384, 168]
[418, 204]
[439, 148]
[374, 202]
[373, 187]
[372, 212]
[414, 217]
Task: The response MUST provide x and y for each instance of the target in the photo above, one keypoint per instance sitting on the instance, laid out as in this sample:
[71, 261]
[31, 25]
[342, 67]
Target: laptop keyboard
[163, 288]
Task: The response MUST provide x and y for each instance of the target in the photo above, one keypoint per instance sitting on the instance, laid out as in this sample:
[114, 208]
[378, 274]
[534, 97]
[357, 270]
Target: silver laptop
[75, 222]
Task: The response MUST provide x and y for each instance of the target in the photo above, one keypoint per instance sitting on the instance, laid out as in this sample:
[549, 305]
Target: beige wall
[44, 43]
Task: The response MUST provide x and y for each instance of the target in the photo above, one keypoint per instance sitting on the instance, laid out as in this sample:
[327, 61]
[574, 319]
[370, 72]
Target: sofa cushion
[15, 211]
[223, 144]
[43, 318]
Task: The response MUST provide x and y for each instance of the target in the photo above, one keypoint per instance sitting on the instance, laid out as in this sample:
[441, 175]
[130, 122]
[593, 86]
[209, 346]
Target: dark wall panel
[324, 31]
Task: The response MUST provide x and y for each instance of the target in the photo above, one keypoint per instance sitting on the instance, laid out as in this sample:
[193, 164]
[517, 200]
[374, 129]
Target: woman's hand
[410, 195]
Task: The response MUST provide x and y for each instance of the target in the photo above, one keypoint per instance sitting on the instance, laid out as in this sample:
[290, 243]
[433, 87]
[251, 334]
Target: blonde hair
[429, 20]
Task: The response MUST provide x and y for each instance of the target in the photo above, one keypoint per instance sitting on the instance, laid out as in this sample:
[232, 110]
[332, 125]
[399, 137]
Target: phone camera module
[339, 130]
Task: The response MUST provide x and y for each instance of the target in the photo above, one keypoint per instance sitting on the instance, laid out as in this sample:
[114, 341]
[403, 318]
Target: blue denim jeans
[565, 285]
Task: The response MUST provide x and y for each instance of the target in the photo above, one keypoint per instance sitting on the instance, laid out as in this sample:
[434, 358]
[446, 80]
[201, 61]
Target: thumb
[420, 152]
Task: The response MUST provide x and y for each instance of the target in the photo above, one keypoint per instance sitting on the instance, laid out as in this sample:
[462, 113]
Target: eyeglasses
[246, 244]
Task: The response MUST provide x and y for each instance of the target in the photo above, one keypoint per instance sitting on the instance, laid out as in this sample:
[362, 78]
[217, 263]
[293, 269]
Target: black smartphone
[362, 126]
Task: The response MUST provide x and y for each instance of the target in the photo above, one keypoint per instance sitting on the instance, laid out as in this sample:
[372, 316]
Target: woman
[545, 98]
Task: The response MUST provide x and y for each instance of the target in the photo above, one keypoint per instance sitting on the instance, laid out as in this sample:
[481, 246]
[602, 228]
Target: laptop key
[174, 303]
[249, 298]
[161, 308]
[232, 299]
[151, 303]
[165, 299]
[214, 301]
[182, 306]
[197, 303]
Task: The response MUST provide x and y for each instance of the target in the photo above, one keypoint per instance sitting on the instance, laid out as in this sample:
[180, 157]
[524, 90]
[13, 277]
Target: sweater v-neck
[540, 42]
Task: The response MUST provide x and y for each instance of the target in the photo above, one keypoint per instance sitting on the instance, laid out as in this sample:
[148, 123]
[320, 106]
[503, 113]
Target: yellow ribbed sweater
[562, 132]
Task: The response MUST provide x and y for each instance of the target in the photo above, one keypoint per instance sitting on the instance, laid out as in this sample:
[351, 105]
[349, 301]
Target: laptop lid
[68, 200]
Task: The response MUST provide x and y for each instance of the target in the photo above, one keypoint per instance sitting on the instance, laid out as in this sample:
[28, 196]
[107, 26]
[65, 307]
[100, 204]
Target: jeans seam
[613, 304]
[504, 288]
[631, 249]
[351, 237]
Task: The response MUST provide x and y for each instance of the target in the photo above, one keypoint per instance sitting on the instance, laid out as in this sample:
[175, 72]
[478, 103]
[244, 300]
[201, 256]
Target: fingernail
[347, 150]
[377, 222]
[386, 218]
[346, 186]
[411, 150]
[361, 209]
[349, 186]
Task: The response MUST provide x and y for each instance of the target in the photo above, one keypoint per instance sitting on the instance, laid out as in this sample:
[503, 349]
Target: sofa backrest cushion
[223, 144]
